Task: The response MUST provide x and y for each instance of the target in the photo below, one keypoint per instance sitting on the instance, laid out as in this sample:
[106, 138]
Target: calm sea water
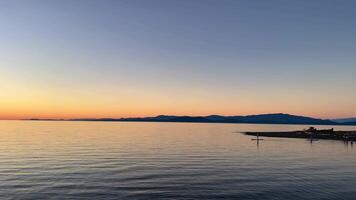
[116, 160]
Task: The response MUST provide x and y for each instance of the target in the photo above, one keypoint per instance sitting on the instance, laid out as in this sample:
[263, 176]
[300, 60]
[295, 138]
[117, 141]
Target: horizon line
[118, 118]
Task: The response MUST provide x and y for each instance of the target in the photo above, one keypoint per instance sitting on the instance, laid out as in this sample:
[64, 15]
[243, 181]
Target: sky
[126, 58]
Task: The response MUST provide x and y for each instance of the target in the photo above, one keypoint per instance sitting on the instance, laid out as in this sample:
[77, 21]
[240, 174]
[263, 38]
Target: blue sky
[134, 58]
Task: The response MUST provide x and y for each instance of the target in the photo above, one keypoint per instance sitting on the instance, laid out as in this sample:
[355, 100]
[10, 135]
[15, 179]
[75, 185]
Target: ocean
[150, 160]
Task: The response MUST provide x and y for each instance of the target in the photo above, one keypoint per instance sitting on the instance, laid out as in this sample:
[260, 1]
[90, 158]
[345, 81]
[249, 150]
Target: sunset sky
[124, 58]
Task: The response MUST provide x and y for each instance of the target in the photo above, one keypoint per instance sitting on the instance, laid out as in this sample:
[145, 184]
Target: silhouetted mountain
[164, 117]
[350, 123]
[344, 120]
[278, 118]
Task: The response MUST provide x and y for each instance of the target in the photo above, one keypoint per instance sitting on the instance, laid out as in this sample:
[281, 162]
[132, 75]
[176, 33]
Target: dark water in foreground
[105, 160]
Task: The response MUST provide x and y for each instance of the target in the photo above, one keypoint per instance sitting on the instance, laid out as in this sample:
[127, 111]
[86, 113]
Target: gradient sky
[122, 58]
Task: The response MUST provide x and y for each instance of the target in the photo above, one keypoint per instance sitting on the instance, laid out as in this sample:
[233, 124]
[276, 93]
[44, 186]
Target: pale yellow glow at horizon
[24, 103]
[23, 100]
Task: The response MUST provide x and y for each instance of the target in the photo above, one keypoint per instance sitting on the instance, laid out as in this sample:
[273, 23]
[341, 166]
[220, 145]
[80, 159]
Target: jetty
[310, 133]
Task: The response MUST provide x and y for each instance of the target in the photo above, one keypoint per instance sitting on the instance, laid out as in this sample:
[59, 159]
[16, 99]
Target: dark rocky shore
[310, 133]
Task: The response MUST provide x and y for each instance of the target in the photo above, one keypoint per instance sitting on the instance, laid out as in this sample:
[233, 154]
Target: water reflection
[95, 160]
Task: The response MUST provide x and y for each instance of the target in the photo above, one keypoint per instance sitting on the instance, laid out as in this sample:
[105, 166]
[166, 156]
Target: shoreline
[311, 133]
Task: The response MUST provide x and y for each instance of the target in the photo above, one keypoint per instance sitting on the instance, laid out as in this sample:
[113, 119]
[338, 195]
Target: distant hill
[345, 120]
[278, 118]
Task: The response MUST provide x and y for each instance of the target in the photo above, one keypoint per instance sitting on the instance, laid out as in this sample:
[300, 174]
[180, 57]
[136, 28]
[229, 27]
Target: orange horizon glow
[22, 102]
[63, 115]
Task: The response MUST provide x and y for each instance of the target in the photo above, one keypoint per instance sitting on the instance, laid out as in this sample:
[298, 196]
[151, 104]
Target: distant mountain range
[278, 118]
[350, 121]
